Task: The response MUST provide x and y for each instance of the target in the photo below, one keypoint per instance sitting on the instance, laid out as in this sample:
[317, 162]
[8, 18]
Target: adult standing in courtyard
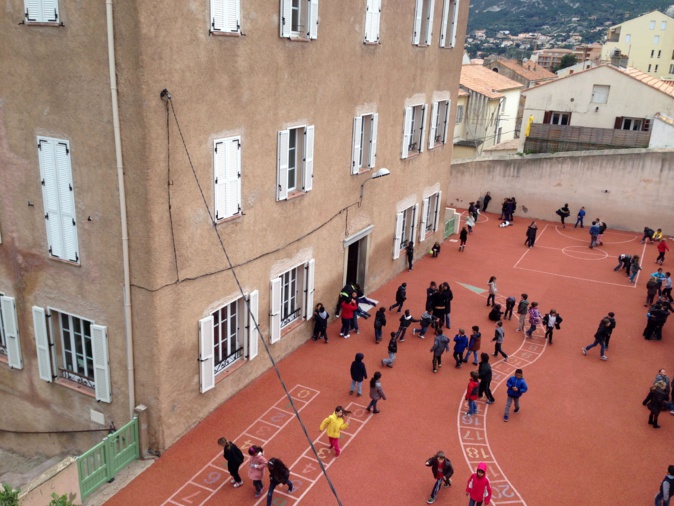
[531, 234]
[485, 202]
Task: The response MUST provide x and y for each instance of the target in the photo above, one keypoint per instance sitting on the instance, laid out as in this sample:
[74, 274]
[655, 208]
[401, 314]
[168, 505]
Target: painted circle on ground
[584, 253]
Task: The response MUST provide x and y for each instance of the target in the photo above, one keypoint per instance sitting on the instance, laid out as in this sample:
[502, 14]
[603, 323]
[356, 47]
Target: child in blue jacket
[460, 345]
[516, 387]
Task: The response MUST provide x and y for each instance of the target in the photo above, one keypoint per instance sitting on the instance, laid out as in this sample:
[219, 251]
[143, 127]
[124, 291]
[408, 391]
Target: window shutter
[308, 158]
[233, 15]
[373, 141]
[376, 18]
[217, 15]
[455, 22]
[67, 201]
[275, 311]
[42, 345]
[33, 10]
[446, 121]
[356, 147]
[50, 197]
[646, 125]
[416, 36]
[313, 19]
[286, 18]
[253, 309]
[618, 123]
[309, 289]
[415, 213]
[424, 213]
[220, 178]
[233, 175]
[206, 359]
[283, 145]
[438, 208]
[398, 236]
[99, 344]
[422, 139]
[443, 23]
[372, 14]
[547, 117]
[407, 132]
[434, 119]
[50, 11]
[11, 329]
[429, 27]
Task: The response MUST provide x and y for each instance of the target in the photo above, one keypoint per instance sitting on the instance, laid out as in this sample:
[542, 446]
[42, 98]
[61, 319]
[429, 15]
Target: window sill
[225, 34]
[63, 261]
[295, 194]
[229, 218]
[291, 326]
[371, 43]
[412, 155]
[297, 38]
[230, 370]
[76, 387]
[363, 171]
[43, 23]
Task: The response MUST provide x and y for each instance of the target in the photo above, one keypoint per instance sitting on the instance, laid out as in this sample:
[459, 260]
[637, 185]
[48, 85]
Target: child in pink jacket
[478, 487]
[256, 468]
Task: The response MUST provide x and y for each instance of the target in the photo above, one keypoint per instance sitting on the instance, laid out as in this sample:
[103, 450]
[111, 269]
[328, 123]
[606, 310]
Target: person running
[472, 392]
[442, 473]
[460, 345]
[279, 474]
[563, 212]
[655, 401]
[234, 459]
[463, 237]
[664, 495]
[473, 344]
[509, 306]
[499, 335]
[320, 323]
[531, 232]
[662, 248]
[405, 321]
[478, 487]
[485, 375]
[376, 393]
[492, 291]
[358, 374]
[335, 424]
[256, 468]
[579, 218]
[440, 345]
[600, 338]
[401, 297]
[379, 323]
[534, 319]
[522, 311]
[392, 351]
[551, 321]
[611, 318]
[635, 267]
[427, 319]
[516, 388]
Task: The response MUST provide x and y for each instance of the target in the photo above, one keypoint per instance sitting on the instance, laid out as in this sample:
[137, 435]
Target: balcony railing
[544, 138]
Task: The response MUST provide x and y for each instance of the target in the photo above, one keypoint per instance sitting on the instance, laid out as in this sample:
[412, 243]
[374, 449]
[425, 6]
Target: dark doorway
[353, 263]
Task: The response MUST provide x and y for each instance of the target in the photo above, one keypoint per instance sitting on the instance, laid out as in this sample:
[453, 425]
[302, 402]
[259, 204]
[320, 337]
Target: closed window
[459, 114]
[659, 53]
[364, 148]
[557, 118]
[292, 296]
[372, 17]
[226, 16]
[600, 93]
[299, 19]
[650, 65]
[439, 123]
[634, 124]
[663, 25]
[651, 25]
[628, 38]
[295, 161]
[227, 177]
[10, 345]
[656, 39]
[430, 215]
[671, 68]
[413, 130]
[406, 229]
[656, 68]
[58, 198]
[423, 22]
[652, 53]
[450, 23]
[41, 11]
[228, 330]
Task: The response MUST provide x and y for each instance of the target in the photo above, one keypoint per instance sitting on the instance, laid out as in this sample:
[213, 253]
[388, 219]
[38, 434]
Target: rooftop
[529, 70]
[486, 82]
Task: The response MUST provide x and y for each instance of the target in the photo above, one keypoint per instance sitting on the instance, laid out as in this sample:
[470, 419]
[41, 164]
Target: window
[59, 201]
[663, 25]
[439, 123]
[557, 118]
[406, 229]
[430, 215]
[600, 93]
[656, 39]
[413, 130]
[450, 23]
[634, 124]
[372, 17]
[295, 161]
[652, 53]
[227, 177]
[299, 19]
[423, 22]
[41, 11]
[628, 38]
[656, 68]
[671, 68]
[364, 148]
[292, 298]
[651, 25]
[459, 114]
[74, 347]
[226, 16]
[10, 345]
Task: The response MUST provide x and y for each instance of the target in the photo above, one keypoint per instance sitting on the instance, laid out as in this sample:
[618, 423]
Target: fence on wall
[546, 138]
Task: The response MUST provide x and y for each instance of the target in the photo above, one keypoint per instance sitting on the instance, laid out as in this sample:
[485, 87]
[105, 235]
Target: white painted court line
[527, 250]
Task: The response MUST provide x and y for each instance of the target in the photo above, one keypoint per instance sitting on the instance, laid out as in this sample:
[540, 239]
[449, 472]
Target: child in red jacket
[472, 393]
[478, 487]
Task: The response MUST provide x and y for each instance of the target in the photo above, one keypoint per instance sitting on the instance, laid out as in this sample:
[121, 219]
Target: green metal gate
[102, 463]
[449, 226]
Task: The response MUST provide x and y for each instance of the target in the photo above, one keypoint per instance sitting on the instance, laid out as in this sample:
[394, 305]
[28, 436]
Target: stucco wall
[629, 189]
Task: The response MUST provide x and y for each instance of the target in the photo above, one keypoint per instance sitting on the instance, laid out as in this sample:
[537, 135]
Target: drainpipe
[122, 209]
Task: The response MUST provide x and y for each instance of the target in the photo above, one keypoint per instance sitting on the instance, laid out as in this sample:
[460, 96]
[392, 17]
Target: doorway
[355, 257]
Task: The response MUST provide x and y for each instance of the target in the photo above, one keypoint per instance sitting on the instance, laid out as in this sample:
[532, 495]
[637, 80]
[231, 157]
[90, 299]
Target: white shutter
[217, 15]
[233, 176]
[50, 11]
[376, 17]
[434, 119]
[446, 121]
[286, 18]
[438, 208]
[253, 334]
[416, 36]
[220, 178]
[424, 213]
[407, 132]
[50, 197]
[443, 23]
[455, 23]
[423, 128]
[33, 10]
[309, 289]
[11, 330]
[66, 201]
[398, 235]
[429, 27]
[42, 345]
[283, 145]
[233, 15]
[99, 344]
[275, 311]
[373, 141]
[308, 177]
[356, 147]
[413, 235]
[206, 359]
[313, 19]
[372, 14]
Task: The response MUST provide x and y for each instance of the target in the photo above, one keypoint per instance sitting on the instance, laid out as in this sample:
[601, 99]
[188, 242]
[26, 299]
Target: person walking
[409, 250]
[485, 202]
[473, 344]
[594, 234]
[358, 374]
[651, 291]
[279, 474]
[376, 393]
[667, 287]
[634, 268]
[392, 351]
[563, 212]
[516, 388]
[472, 392]
[442, 473]
[492, 290]
[379, 323]
[655, 402]
[335, 424]
[256, 468]
[470, 222]
[551, 321]
[447, 296]
[234, 459]
[320, 323]
[611, 318]
[522, 311]
[534, 319]
[440, 345]
[405, 321]
[509, 306]
[463, 237]
[401, 297]
[499, 335]
[664, 495]
[532, 229]
[348, 310]
[485, 375]
[600, 338]
[478, 488]
[460, 345]
[580, 217]
[662, 248]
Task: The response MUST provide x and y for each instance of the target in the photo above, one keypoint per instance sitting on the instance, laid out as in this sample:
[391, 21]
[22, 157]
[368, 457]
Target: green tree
[567, 61]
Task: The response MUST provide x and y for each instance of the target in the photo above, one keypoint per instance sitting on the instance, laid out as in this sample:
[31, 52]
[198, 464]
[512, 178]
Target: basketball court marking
[480, 215]
[633, 238]
[212, 477]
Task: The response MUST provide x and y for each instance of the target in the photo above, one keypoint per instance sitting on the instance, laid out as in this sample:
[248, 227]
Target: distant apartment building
[646, 43]
[551, 58]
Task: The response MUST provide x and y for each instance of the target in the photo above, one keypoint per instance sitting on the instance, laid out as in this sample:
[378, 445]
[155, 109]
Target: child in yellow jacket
[335, 423]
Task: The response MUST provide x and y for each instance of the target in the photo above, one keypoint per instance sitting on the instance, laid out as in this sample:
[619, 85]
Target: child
[435, 250]
[405, 321]
[648, 234]
[348, 310]
[495, 313]
[430, 292]
[335, 424]
[662, 247]
[473, 344]
[656, 401]
[392, 350]
[440, 345]
[492, 290]
[376, 393]
[478, 487]
[234, 459]
[256, 468]
[516, 388]
[551, 321]
[579, 218]
[634, 268]
[471, 393]
[460, 345]
[401, 297]
[463, 237]
[442, 473]
[470, 223]
[510, 305]
[427, 319]
[657, 235]
[667, 290]
[379, 323]
[358, 374]
[499, 334]
[320, 323]
[666, 488]
[534, 319]
[279, 474]
[522, 310]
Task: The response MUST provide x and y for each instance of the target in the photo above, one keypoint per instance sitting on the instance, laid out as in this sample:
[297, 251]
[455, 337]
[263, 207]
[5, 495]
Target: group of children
[478, 488]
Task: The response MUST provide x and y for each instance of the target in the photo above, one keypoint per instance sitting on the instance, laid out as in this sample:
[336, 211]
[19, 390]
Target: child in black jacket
[379, 323]
[405, 321]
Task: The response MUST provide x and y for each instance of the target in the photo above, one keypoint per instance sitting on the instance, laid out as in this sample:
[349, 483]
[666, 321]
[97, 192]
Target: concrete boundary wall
[628, 188]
